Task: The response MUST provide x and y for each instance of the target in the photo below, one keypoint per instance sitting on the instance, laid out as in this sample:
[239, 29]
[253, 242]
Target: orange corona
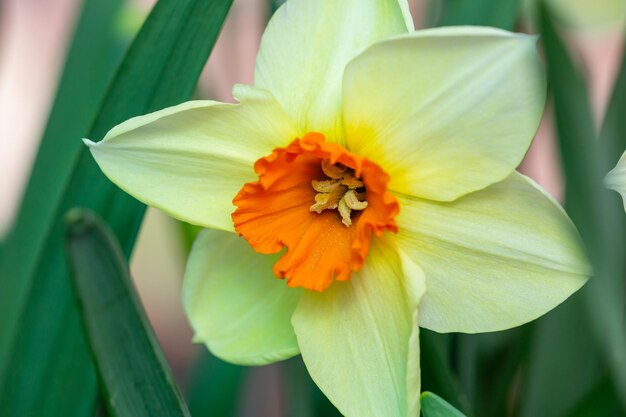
[319, 201]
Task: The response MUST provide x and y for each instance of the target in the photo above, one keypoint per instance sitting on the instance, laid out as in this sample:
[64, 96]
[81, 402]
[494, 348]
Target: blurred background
[34, 39]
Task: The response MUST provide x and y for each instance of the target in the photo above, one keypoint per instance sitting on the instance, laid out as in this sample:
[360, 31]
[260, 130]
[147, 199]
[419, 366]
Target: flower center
[342, 191]
[321, 202]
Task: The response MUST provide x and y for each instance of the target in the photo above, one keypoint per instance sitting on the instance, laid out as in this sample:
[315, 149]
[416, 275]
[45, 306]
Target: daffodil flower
[372, 168]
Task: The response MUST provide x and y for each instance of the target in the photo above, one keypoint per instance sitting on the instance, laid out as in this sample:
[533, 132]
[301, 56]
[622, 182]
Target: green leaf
[599, 402]
[304, 398]
[596, 211]
[91, 60]
[435, 406]
[489, 365]
[613, 142]
[100, 410]
[215, 386]
[93, 54]
[274, 5]
[44, 357]
[134, 377]
[497, 13]
[300, 389]
[321, 404]
[561, 350]
[613, 135]
[437, 374]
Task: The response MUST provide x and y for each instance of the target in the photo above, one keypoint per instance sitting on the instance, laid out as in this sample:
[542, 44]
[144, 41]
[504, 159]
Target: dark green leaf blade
[90, 63]
[304, 398]
[561, 350]
[215, 387]
[496, 13]
[437, 373]
[95, 51]
[435, 406]
[599, 402]
[274, 5]
[160, 69]
[596, 211]
[134, 376]
[489, 365]
[613, 134]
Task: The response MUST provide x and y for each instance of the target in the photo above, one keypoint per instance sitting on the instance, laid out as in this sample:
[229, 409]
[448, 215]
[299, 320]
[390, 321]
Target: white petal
[494, 259]
[445, 111]
[616, 178]
[359, 338]
[234, 303]
[306, 47]
[191, 160]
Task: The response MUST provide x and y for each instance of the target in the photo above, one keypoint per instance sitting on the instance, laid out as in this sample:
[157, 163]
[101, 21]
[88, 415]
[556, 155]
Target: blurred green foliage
[94, 52]
[135, 380]
[597, 212]
[501, 13]
[435, 406]
[42, 351]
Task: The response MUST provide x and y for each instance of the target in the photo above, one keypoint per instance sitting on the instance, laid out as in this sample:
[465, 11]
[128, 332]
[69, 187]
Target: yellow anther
[345, 212]
[351, 182]
[338, 192]
[329, 200]
[353, 202]
[335, 172]
[325, 186]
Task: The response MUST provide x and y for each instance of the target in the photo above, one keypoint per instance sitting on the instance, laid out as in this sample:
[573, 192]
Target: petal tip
[611, 181]
[89, 143]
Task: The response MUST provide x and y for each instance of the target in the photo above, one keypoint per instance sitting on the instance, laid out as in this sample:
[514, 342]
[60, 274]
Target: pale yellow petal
[359, 338]
[445, 111]
[494, 259]
[406, 13]
[616, 178]
[306, 47]
[191, 160]
[235, 304]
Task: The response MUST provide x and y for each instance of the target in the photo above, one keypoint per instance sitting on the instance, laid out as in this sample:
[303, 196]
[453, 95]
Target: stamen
[325, 186]
[351, 182]
[345, 212]
[329, 200]
[338, 192]
[335, 172]
[353, 202]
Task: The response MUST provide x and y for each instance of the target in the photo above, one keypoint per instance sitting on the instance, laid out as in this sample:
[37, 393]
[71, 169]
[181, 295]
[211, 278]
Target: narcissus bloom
[373, 168]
